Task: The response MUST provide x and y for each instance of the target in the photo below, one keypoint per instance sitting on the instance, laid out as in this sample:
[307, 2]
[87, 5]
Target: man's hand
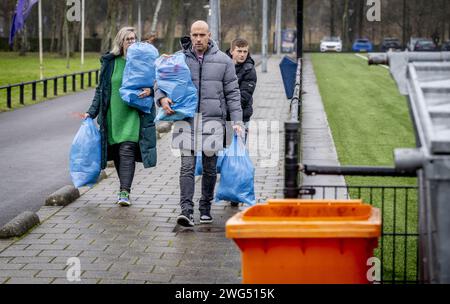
[145, 93]
[238, 130]
[165, 104]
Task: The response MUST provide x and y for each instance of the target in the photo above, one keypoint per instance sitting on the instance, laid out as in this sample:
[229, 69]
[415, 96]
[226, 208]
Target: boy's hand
[165, 104]
[145, 93]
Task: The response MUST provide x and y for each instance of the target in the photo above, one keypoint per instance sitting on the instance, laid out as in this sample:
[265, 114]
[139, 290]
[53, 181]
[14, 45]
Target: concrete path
[143, 244]
[317, 142]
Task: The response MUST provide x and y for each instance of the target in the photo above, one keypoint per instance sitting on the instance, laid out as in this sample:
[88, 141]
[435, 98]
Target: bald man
[214, 76]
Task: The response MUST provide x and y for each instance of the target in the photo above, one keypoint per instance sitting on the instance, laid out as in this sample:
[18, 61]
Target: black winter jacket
[247, 79]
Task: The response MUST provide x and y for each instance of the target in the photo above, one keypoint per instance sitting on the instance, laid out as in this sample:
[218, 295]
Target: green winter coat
[147, 133]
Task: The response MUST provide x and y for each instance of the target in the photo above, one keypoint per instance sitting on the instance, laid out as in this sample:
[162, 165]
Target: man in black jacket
[246, 73]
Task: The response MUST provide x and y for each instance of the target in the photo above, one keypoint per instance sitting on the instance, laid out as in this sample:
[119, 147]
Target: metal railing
[292, 138]
[398, 245]
[45, 84]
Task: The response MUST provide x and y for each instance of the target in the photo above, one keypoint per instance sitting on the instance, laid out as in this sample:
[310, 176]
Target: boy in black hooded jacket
[246, 73]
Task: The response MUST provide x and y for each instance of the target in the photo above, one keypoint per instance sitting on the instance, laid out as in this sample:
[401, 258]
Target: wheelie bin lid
[295, 218]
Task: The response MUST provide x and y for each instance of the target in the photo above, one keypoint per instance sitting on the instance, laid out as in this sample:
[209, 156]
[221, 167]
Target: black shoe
[234, 204]
[205, 217]
[186, 219]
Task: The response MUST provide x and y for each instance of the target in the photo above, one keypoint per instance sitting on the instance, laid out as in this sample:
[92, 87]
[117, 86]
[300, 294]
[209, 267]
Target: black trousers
[124, 156]
[187, 181]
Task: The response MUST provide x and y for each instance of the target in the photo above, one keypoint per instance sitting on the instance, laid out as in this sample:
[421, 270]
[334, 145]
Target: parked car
[391, 44]
[331, 44]
[446, 46]
[425, 46]
[362, 45]
[412, 43]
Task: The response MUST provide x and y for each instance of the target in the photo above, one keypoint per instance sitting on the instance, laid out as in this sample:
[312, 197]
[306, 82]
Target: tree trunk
[345, 37]
[130, 13]
[23, 41]
[256, 18]
[332, 13]
[111, 25]
[66, 42]
[361, 18]
[155, 16]
[8, 8]
[54, 27]
[174, 9]
[352, 21]
[444, 19]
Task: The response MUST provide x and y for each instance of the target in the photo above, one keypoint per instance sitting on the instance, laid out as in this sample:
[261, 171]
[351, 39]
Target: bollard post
[45, 88]
[55, 86]
[8, 97]
[82, 80]
[291, 159]
[33, 91]
[65, 83]
[74, 82]
[22, 98]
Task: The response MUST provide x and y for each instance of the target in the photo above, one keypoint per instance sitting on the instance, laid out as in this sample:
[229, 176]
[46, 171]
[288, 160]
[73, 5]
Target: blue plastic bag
[174, 79]
[139, 73]
[237, 175]
[199, 164]
[85, 155]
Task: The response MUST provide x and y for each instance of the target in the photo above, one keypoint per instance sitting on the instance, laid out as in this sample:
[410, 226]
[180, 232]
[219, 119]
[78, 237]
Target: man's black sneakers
[186, 219]
[205, 217]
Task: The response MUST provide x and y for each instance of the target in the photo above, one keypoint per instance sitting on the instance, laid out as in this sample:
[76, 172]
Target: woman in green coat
[127, 134]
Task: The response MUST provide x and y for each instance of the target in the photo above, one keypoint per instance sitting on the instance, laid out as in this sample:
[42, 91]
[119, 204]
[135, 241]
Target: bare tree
[155, 16]
[332, 14]
[361, 17]
[111, 24]
[175, 6]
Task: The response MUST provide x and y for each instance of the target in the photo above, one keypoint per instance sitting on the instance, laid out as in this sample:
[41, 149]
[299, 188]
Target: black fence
[20, 88]
[292, 139]
[398, 245]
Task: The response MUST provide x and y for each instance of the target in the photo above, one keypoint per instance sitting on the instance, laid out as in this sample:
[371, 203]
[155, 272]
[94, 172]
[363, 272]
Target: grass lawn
[16, 69]
[368, 120]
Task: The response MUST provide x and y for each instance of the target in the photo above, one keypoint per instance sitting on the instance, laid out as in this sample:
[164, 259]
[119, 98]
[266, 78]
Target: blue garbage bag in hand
[85, 155]
[173, 77]
[237, 175]
[199, 164]
[139, 73]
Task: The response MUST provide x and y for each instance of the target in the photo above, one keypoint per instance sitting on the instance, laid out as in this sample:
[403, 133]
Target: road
[34, 152]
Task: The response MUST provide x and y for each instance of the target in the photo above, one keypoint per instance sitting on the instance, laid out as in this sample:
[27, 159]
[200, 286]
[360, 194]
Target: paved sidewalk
[317, 142]
[143, 244]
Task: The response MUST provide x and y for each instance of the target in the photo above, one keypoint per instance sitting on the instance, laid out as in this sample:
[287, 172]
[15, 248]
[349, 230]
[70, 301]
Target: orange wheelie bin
[306, 241]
